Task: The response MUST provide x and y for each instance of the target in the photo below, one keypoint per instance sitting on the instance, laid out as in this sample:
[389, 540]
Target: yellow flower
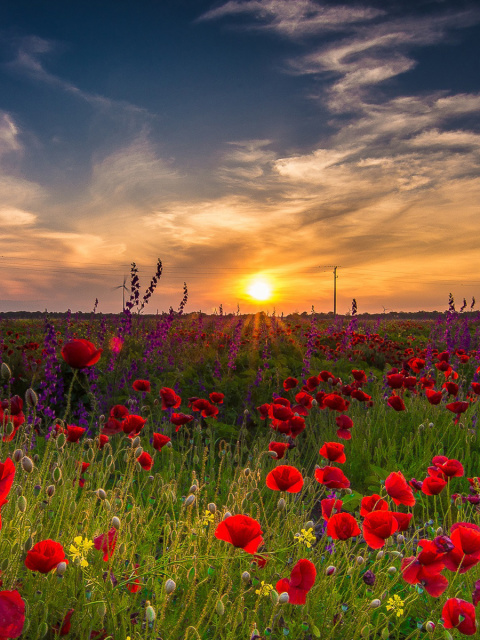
[81, 550]
[208, 517]
[306, 537]
[395, 604]
[264, 589]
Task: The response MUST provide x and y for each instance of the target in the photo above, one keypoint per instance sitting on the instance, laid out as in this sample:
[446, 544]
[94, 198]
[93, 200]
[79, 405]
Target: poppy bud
[5, 371]
[283, 598]
[360, 560]
[281, 504]
[27, 464]
[375, 603]
[190, 500]
[57, 474]
[135, 442]
[273, 454]
[212, 507]
[380, 554]
[36, 458]
[400, 538]
[430, 626]
[310, 525]
[150, 612]
[116, 523]
[274, 596]
[193, 488]
[439, 531]
[50, 490]
[227, 515]
[392, 570]
[43, 630]
[170, 586]
[330, 570]
[101, 420]
[431, 425]
[246, 577]
[17, 455]
[385, 634]
[101, 494]
[31, 398]
[138, 452]
[61, 568]
[10, 428]
[28, 544]
[246, 472]
[220, 608]
[61, 439]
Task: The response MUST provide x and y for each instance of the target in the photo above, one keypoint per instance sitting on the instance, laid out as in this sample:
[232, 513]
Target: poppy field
[191, 476]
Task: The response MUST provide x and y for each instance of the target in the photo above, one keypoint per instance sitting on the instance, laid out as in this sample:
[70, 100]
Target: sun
[260, 289]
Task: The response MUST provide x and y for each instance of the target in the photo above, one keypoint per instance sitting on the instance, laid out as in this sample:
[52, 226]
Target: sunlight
[260, 289]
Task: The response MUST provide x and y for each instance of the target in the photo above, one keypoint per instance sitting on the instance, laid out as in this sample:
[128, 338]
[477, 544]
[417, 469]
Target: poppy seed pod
[375, 603]
[283, 598]
[150, 612]
[27, 464]
[61, 568]
[101, 494]
[392, 570]
[135, 443]
[170, 586]
[193, 488]
[246, 577]
[190, 500]
[212, 507]
[360, 560]
[400, 539]
[281, 504]
[31, 398]
[17, 455]
[61, 439]
[274, 596]
[227, 515]
[310, 525]
[101, 419]
[50, 490]
[380, 554]
[5, 371]
[22, 504]
[57, 474]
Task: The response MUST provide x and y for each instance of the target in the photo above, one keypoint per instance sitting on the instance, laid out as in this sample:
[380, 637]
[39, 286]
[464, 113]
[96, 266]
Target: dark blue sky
[246, 138]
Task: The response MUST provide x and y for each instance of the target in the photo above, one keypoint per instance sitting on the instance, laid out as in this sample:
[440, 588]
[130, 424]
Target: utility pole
[334, 267]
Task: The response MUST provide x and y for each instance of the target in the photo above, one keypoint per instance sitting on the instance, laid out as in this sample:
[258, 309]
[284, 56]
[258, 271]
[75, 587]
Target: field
[239, 477]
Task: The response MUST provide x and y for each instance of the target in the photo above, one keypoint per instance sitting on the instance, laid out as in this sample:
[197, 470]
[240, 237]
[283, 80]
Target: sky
[238, 141]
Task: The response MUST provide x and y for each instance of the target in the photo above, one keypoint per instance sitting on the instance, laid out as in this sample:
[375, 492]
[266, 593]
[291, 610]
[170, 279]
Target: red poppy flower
[344, 424]
[395, 380]
[329, 505]
[359, 375]
[133, 424]
[159, 441]
[403, 520]
[207, 410]
[216, 397]
[285, 478]
[342, 526]
[135, 586]
[433, 485]
[74, 433]
[45, 556]
[7, 474]
[398, 489]
[119, 412]
[377, 527]
[396, 403]
[179, 419]
[414, 572]
[361, 396]
[279, 448]
[102, 440]
[302, 579]
[417, 364]
[335, 402]
[333, 451]
[297, 425]
[451, 387]
[305, 399]
[312, 383]
[106, 543]
[451, 468]
[63, 628]
[458, 407]
[12, 614]
[241, 531]
[142, 385]
[145, 460]
[170, 400]
[332, 477]
[465, 537]
[427, 382]
[290, 383]
[264, 411]
[79, 354]
[280, 412]
[433, 397]
[372, 503]
[459, 614]
[112, 427]
[476, 388]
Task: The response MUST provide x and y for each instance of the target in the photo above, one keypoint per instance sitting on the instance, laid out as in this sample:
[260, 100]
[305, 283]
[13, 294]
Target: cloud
[294, 19]
[13, 217]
